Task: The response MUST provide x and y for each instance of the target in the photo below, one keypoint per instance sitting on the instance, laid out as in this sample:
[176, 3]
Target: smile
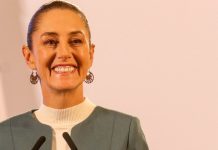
[64, 69]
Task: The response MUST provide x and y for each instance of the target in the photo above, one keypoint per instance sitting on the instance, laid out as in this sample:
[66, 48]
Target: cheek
[85, 55]
[84, 60]
[44, 58]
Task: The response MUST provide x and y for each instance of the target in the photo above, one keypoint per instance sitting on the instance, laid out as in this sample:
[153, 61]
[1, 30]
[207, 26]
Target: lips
[64, 68]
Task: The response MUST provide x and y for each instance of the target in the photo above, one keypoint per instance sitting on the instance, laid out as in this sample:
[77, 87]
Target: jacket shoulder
[6, 138]
[105, 112]
[117, 118]
[127, 128]
[17, 118]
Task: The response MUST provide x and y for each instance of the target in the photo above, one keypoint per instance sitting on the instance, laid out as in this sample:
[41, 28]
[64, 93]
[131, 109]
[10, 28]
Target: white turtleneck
[63, 120]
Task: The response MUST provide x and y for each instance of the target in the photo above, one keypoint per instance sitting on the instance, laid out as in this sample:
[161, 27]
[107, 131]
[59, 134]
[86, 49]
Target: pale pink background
[154, 59]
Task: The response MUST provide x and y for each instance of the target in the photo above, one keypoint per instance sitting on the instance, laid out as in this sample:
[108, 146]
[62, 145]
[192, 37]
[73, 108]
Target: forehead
[60, 20]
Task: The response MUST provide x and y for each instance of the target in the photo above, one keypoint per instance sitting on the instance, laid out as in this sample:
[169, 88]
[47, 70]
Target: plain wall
[157, 60]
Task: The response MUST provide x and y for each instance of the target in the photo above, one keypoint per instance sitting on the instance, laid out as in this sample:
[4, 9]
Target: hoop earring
[34, 77]
[89, 77]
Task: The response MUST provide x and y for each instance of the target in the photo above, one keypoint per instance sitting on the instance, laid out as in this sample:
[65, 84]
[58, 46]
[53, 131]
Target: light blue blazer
[103, 130]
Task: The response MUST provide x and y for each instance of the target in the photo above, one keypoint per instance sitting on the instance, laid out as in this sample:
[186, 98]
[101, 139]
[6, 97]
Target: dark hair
[49, 6]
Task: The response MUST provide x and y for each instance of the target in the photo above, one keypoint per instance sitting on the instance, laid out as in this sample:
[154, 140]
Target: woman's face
[61, 52]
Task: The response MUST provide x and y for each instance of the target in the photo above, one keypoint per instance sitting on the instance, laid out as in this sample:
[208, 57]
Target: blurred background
[157, 60]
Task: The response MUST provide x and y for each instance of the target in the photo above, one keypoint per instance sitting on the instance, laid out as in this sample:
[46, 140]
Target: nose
[64, 52]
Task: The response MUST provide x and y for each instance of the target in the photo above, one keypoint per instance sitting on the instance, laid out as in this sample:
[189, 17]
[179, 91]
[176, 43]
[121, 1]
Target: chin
[66, 87]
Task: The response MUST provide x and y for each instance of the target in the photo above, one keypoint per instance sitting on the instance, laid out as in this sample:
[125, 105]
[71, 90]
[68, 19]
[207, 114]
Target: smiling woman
[60, 53]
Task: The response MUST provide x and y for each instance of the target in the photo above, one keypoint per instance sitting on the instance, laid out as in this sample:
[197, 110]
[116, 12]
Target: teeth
[62, 69]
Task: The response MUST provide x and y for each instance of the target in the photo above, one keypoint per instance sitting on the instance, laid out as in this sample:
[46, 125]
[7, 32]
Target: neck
[63, 99]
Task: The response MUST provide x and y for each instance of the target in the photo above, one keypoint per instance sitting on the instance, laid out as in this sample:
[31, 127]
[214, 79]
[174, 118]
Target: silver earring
[34, 77]
[89, 77]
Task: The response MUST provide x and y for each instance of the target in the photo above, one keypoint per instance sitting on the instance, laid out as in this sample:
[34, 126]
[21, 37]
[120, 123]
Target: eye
[51, 43]
[76, 42]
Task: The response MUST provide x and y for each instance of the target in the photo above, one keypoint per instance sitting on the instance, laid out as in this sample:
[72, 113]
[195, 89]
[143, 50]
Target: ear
[28, 56]
[91, 53]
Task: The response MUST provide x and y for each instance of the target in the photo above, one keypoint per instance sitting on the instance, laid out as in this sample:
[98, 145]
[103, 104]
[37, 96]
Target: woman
[60, 53]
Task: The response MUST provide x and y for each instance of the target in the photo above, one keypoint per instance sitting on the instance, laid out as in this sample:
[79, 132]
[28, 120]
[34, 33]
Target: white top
[63, 120]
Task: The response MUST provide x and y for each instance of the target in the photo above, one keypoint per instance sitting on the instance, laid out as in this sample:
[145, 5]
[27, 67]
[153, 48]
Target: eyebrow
[56, 34]
[49, 34]
[76, 32]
